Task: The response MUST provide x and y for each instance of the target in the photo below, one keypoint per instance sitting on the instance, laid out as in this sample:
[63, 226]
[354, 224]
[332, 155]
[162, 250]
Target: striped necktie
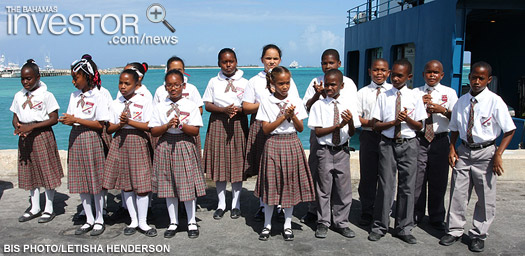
[470, 123]
[336, 134]
[429, 124]
[230, 86]
[28, 101]
[81, 102]
[282, 109]
[126, 108]
[175, 108]
[397, 128]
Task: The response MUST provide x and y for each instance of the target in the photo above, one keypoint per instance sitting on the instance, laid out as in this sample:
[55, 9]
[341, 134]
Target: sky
[303, 29]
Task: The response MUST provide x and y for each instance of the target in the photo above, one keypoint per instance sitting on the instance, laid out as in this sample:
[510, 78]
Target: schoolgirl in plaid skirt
[284, 177]
[35, 110]
[176, 163]
[225, 142]
[87, 113]
[129, 163]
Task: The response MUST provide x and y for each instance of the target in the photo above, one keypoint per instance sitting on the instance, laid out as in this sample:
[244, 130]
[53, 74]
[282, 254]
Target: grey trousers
[334, 187]
[473, 170]
[432, 171]
[368, 170]
[401, 159]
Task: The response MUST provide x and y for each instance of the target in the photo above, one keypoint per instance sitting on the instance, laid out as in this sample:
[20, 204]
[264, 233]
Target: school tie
[230, 86]
[282, 109]
[397, 128]
[470, 123]
[378, 91]
[81, 102]
[336, 135]
[175, 108]
[28, 101]
[126, 108]
[429, 124]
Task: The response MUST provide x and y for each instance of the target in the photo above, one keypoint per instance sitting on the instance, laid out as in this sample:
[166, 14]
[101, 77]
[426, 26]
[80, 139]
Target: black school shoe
[346, 232]
[152, 232]
[321, 231]
[235, 213]
[265, 234]
[218, 214]
[448, 239]
[476, 245]
[193, 233]
[30, 216]
[373, 236]
[288, 234]
[409, 239]
[46, 217]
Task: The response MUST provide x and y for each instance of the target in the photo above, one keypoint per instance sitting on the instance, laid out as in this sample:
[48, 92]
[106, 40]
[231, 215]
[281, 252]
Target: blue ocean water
[61, 87]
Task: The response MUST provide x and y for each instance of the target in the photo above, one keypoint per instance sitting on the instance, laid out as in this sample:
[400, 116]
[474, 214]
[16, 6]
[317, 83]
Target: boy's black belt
[477, 145]
[397, 141]
[344, 147]
[436, 135]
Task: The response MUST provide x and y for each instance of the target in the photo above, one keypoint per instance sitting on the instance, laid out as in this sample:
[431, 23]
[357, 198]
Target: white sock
[221, 193]
[35, 200]
[288, 217]
[86, 203]
[105, 193]
[142, 209]
[190, 211]
[130, 199]
[268, 212]
[236, 195]
[123, 201]
[50, 195]
[173, 210]
[99, 207]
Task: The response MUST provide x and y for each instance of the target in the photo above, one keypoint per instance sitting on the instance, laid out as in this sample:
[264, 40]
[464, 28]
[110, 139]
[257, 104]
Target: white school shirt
[491, 116]
[366, 100]
[256, 89]
[42, 104]
[190, 92]
[106, 93]
[269, 110]
[140, 109]
[444, 96]
[95, 106]
[189, 114]
[322, 115]
[385, 110]
[142, 91]
[349, 89]
[217, 85]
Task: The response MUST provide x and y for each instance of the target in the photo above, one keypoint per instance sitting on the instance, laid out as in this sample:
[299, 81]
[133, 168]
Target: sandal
[46, 217]
[27, 216]
[265, 234]
[97, 232]
[81, 230]
[288, 234]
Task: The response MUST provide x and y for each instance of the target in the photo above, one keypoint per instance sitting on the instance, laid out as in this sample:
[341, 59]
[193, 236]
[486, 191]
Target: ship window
[352, 66]
[405, 51]
[371, 55]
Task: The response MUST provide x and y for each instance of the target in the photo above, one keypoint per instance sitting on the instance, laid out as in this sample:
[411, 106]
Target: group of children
[156, 145]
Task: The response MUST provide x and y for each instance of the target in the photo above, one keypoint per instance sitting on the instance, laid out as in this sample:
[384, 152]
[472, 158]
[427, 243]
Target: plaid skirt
[224, 147]
[177, 169]
[129, 163]
[85, 161]
[284, 178]
[254, 149]
[39, 161]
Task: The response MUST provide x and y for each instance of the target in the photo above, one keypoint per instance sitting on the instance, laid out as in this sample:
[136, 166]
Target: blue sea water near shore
[61, 87]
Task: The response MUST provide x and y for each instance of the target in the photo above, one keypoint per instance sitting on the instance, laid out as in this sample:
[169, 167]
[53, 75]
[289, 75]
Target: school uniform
[432, 159]
[129, 162]
[349, 91]
[334, 184]
[38, 159]
[284, 177]
[397, 153]
[255, 91]
[191, 93]
[86, 152]
[474, 165]
[106, 138]
[368, 148]
[225, 142]
[176, 166]
[142, 91]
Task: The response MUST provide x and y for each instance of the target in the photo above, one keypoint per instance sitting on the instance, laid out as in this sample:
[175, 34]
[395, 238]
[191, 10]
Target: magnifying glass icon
[156, 13]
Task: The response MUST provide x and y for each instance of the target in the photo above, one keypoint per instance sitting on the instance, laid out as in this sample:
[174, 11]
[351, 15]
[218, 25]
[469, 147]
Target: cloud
[315, 41]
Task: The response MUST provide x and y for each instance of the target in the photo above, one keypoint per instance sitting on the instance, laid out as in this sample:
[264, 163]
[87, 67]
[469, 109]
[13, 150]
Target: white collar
[42, 87]
[273, 99]
[238, 75]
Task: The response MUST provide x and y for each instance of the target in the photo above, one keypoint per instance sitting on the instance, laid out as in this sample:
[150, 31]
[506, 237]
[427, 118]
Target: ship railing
[374, 9]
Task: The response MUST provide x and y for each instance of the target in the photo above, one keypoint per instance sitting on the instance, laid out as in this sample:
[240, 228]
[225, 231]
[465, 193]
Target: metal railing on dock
[374, 9]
